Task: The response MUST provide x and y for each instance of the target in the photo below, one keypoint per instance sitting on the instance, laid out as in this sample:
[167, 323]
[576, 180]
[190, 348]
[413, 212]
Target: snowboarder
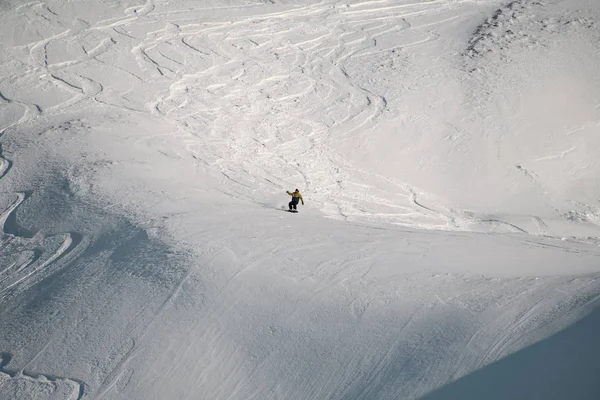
[296, 196]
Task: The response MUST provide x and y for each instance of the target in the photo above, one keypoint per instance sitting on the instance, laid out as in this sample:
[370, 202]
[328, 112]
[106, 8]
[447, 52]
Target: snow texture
[447, 152]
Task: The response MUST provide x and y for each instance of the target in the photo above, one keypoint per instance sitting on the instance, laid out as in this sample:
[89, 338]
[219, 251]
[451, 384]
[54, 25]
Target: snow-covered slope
[446, 150]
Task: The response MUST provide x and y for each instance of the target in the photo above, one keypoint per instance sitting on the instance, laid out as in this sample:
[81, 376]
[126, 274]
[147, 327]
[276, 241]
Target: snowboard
[292, 211]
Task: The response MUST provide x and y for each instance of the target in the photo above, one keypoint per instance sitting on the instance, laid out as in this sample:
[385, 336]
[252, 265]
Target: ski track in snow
[303, 67]
[32, 258]
[223, 83]
[28, 260]
[258, 67]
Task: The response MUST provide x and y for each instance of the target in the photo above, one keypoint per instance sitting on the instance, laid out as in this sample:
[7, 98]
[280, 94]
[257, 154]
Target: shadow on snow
[563, 366]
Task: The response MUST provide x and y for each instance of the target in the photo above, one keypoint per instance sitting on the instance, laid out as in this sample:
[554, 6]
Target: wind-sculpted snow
[29, 260]
[446, 151]
[24, 385]
[526, 24]
[532, 53]
[50, 283]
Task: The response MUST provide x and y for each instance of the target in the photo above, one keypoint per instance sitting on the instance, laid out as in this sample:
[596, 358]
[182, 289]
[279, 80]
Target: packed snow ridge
[447, 152]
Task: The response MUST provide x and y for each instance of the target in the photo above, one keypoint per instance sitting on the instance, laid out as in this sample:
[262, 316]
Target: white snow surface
[447, 152]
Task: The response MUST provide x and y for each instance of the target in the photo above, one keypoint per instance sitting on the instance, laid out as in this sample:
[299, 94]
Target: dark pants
[294, 203]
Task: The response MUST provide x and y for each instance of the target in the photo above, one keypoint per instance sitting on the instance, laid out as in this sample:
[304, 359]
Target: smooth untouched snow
[446, 150]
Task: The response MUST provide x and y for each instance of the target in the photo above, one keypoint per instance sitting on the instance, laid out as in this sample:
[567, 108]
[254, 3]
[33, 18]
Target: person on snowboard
[296, 196]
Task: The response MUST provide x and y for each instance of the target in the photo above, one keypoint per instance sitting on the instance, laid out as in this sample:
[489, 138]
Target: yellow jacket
[296, 194]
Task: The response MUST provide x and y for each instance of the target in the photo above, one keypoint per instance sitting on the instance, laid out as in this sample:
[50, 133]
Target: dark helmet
[297, 190]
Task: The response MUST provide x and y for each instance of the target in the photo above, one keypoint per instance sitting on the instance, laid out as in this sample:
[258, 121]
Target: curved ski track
[258, 67]
[225, 82]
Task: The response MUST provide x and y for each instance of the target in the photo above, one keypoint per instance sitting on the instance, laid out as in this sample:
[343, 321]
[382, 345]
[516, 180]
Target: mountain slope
[446, 152]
